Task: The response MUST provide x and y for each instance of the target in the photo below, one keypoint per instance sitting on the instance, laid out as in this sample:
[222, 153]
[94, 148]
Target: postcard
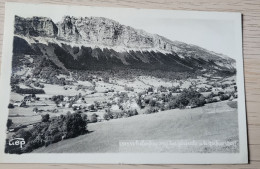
[103, 85]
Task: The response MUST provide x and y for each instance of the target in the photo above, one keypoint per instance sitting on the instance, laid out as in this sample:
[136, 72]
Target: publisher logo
[17, 142]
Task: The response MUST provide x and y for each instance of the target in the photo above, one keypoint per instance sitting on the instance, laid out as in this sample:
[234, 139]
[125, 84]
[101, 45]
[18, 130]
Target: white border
[120, 158]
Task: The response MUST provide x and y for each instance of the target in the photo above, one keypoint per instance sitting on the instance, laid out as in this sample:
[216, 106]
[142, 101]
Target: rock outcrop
[35, 26]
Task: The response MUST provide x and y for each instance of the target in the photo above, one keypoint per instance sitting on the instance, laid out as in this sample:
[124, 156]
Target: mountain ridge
[122, 42]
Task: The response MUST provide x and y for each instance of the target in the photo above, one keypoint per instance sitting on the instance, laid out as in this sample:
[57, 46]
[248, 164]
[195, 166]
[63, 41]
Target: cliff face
[93, 31]
[106, 32]
[36, 26]
[122, 43]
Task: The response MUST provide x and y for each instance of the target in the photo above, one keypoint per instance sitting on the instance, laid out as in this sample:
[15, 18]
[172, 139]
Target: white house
[17, 103]
[67, 105]
[217, 89]
[66, 98]
[76, 105]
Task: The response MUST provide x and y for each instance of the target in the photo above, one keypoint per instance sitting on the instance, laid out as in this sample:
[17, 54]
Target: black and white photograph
[127, 82]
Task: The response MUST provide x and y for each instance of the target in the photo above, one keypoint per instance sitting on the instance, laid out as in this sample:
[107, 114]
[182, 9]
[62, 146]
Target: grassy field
[213, 122]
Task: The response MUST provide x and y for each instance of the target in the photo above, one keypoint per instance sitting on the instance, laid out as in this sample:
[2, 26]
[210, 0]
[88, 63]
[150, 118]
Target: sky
[213, 31]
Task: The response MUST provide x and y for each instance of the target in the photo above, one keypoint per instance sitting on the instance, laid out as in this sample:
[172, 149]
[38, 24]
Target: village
[103, 100]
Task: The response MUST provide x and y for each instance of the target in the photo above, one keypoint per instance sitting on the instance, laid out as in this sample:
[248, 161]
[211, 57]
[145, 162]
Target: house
[67, 105]
[217, 89]
[81, 100]
[66, 98]
[61, 104]
[77, 106]
[100, 107]
[29, 98]
[17, 103]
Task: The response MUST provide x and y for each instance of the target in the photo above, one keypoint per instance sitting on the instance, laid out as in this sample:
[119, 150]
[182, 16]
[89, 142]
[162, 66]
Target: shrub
[57, 98]
[108, 115]
[45, 118]
[84, 117]
[129, 88]
[92, 107]
[152, 103]
[151, 110]
[224, 97]
[35, 109]
[130, 113]
[150, 89]
[211, 100]
[9, 123]
[197, 101]
[10, 106]
[93, 118]
[172, 104]
[74, 125]
[118, 114]
[22, 133]
[135, 112]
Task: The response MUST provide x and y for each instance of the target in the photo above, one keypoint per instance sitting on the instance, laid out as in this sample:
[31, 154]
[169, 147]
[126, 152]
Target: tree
[25, 134]
[235, 88]
[150, 89]
[45, 118]
[10, 106]
[152, 103]
[9, 123]
[92, 107]
[74, 125]
[189, 97]
[62, 127]
[151, 110]
[108, 114]
[106, 79]
[84, 117]
[35, 109]
[135, 112]
[93, 118]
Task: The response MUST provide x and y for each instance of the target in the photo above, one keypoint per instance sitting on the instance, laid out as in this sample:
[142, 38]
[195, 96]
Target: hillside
[198, 124]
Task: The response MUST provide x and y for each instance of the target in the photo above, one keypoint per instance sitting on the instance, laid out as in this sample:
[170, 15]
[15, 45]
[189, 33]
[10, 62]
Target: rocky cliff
[36, 26]
[123, 43]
